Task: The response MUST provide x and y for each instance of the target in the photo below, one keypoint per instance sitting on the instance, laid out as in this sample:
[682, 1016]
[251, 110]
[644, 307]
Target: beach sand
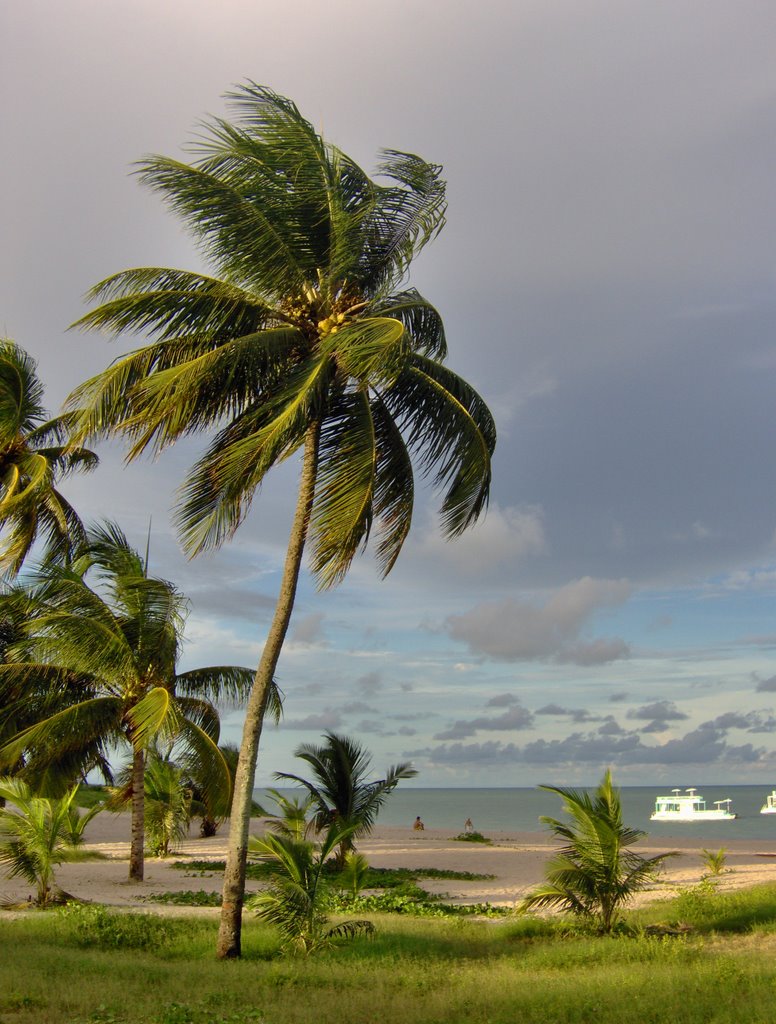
[515, 859]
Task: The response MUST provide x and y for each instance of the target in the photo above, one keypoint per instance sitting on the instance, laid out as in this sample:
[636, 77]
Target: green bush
[471, 837]
[93, 925]
[187, 898]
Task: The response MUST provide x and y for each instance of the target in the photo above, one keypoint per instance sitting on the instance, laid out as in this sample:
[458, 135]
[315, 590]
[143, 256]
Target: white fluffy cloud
[513, 630]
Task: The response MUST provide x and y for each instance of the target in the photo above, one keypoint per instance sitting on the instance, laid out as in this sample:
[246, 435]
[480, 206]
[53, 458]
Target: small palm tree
[292, 817]
[115, 646]
[714, 860]
[35, 836]
[167, 802]
[596, 872]
[32, 459]
[296, 899]
[354, 873]
[77, 822]
[27, 699]
[343, 797]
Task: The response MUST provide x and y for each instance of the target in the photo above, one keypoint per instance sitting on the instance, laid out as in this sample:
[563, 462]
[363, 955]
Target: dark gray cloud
[618, 698]
[515, 718]
[327, 719]
[610, 727]
[702, 746]
[750, 721]
[357, 707]
[659, 711]
[577, 714]
[370, 683]
[502, 700]
[658, 725]
[767, 685]
[372, 726]
[308, 629]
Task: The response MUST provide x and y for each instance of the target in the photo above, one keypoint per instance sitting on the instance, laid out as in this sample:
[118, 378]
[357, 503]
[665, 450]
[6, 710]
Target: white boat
[769, 807]
[689, 806]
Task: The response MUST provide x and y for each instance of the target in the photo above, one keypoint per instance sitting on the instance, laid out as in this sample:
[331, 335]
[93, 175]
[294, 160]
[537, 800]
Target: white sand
[515, 859]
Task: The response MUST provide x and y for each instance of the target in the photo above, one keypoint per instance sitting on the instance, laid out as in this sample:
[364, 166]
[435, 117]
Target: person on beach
[419, 826]
[467, 826]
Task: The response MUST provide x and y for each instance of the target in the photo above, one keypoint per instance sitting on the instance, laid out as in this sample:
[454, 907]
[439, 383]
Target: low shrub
[471, 837]
[187, 898]
[91, 924]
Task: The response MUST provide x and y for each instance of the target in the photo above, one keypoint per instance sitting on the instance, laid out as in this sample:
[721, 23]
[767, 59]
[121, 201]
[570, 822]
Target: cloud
[767, 685]
[660, 711]
[308, 630]
[512, 630]
[357, 707]
[577, 714]
[656, 726]
[503, 537]
[372, 727]
[502, 700]
[327, 719]
[370, 683]
[751, 721]
[610, 727]
[552, 709]
[703, 746]
[515, 718]
[619, 697]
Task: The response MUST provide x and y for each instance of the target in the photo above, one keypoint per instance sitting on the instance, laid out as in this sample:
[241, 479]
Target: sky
[606, 277]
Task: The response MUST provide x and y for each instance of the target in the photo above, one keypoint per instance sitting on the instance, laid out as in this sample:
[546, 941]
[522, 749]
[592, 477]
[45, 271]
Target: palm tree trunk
[138, 815]
[229, 933]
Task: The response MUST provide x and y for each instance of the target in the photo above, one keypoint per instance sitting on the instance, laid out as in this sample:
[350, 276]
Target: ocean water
[519, 810]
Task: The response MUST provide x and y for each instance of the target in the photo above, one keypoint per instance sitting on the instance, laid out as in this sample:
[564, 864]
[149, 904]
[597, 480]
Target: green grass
[76, 855]
[88, 795]
[94, 966]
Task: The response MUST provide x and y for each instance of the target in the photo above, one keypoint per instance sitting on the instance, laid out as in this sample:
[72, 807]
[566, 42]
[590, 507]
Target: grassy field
[91, 965]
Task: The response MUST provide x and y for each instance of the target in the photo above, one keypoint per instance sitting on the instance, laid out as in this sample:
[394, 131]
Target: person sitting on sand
[468, 827]
[419, 826]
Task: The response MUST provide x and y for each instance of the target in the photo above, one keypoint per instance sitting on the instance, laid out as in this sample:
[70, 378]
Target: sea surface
[519, 810]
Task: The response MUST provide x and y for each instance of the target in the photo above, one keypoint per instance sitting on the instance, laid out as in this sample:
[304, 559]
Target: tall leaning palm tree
[304, 340]
[117, 643]
[33, 458]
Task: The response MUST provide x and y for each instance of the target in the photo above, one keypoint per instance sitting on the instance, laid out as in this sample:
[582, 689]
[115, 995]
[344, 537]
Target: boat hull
[701, 816]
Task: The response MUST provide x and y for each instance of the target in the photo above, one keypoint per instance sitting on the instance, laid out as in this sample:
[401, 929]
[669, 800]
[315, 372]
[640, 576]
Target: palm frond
[69, 730]
[452, 432]
[218, 493]
[153, 715]
[342, 508]
[421, 321]
[226, 685]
